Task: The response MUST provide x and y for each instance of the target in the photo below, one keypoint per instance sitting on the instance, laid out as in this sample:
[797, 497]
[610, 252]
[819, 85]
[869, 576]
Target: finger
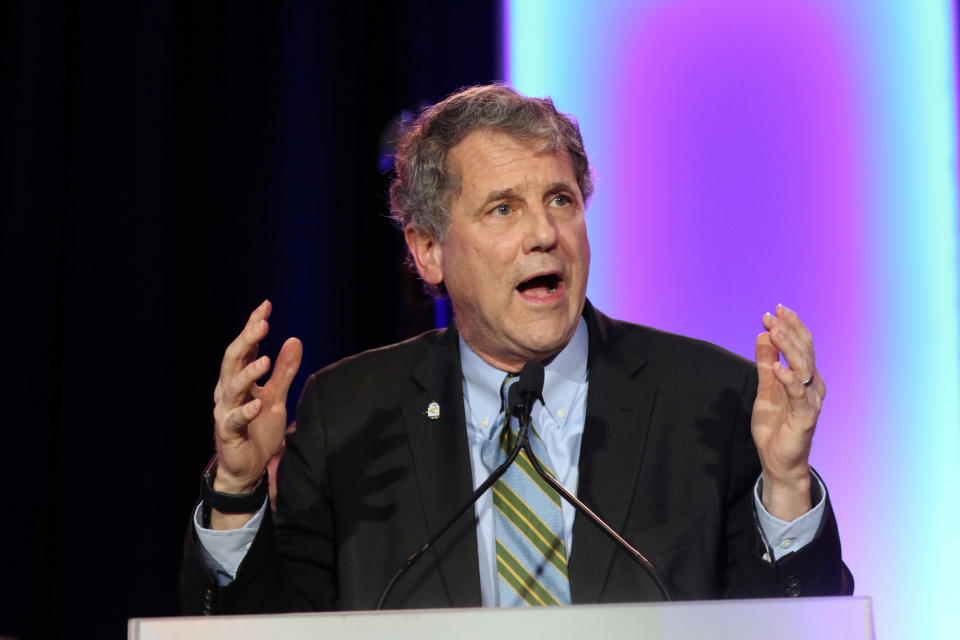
[797, 354]
[243, 349]
[237, 389]
[288, 363]
[769, 321]
[234, 423]
[793, 320]
[786, 330]
[791, 383]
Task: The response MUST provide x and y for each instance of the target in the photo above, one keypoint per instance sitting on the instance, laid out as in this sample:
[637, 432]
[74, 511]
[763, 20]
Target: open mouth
[540, 286]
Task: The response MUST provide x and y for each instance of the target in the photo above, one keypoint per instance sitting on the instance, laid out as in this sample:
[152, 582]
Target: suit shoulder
[663, 346]
[377, 367]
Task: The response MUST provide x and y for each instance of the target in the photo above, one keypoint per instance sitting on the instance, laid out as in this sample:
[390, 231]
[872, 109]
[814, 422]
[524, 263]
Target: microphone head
[531, 380]
[527, 389]
[514, 402]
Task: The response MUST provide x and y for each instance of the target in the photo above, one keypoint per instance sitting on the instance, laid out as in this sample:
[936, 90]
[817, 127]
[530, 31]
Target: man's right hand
[250, 420]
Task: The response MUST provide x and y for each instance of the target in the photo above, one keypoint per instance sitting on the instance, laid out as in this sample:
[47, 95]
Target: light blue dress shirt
[559, 421]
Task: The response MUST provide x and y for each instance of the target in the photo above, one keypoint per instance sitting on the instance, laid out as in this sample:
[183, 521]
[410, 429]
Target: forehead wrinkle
[502, 154]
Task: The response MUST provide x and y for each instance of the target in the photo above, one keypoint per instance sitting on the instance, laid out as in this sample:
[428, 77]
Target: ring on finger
[808, 381]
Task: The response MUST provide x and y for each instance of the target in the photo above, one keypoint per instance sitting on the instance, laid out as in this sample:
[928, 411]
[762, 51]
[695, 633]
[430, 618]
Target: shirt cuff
[783, 537]
[224, 550]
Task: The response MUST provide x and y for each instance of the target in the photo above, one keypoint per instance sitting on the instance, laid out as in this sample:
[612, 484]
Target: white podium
[783, 619]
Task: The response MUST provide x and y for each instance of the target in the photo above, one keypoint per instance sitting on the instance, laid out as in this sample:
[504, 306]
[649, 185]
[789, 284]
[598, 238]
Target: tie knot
[510, 380]
[511, 425]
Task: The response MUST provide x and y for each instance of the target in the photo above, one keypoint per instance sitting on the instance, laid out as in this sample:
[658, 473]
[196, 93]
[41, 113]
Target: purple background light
[750, 153]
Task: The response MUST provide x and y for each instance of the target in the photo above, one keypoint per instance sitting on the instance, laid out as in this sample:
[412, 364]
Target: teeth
[553, 290]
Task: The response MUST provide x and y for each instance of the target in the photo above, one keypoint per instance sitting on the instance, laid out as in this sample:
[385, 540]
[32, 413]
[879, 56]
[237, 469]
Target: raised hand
[250, 420]
[785, 412]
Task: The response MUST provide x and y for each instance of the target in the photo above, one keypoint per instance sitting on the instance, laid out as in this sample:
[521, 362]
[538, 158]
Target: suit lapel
[619, 404]
[442, 466]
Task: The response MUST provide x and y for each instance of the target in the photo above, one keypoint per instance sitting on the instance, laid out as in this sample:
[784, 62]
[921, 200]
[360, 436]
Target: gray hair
[424, 184]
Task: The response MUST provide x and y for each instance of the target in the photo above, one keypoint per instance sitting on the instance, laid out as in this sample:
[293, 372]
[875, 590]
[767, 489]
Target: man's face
[516, 257]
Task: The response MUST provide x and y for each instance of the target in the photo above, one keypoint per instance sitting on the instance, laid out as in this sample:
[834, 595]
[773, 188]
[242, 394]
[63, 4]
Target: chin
[545, 344]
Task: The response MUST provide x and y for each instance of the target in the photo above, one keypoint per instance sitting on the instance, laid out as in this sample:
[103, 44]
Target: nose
[541, 230]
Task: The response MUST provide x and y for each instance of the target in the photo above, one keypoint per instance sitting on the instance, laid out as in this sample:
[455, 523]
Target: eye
[501, 210]
[561, 200]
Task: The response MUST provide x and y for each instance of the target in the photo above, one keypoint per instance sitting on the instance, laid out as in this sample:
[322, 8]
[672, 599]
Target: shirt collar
[562, 375]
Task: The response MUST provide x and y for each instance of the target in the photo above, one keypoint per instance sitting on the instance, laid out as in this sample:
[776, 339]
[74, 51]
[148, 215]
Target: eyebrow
[506, 194]
[502, 194]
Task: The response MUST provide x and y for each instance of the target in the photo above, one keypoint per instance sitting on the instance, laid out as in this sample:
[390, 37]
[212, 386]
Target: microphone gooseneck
[638, 557]
[529, 388]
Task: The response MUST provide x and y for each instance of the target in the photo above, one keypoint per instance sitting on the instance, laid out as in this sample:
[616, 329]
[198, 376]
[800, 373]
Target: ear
[427, 254]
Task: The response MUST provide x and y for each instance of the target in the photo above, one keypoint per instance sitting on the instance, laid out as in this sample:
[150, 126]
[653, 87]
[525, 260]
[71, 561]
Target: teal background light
[804, 152]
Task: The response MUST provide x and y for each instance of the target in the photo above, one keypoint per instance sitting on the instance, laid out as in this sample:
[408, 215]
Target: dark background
[165, 167]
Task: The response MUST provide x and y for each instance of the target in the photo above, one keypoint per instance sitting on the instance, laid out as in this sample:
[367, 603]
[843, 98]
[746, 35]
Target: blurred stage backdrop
[165, 166]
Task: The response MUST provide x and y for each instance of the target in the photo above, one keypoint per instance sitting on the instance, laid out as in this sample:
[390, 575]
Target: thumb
[767, 355]
[286, 366]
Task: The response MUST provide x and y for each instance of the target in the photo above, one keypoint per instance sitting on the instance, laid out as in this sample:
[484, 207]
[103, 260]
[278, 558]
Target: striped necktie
[531, 555]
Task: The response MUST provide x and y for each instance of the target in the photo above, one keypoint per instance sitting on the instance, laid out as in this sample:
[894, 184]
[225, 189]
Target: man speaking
[698, 458]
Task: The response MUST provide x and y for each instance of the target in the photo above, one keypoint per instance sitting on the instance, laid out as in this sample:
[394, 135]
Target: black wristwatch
[230, 502]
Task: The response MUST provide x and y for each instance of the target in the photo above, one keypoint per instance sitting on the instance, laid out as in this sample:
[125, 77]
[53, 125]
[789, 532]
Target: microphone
[520, 400]
[522, 396]
[530, 385]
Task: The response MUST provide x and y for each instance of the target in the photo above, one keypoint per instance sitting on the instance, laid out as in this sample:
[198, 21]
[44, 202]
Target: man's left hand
[785, 413]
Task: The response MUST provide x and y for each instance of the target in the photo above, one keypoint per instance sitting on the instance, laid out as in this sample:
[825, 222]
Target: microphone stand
[499, 471]
[524, 444]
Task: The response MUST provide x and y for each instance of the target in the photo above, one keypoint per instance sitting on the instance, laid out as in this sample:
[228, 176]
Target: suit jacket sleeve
[815, 570]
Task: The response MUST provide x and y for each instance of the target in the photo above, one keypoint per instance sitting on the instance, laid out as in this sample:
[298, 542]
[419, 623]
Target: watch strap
[231, 502]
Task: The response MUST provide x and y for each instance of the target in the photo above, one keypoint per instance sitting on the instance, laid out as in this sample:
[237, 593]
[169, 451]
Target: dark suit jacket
[666, 458]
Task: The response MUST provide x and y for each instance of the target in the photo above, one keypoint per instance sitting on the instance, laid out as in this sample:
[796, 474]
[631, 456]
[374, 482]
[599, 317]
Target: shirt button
[786, 544]
[484, 422]
[561, 413]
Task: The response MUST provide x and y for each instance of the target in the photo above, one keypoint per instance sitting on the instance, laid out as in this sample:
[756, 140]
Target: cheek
[578, 245]
[502, 250]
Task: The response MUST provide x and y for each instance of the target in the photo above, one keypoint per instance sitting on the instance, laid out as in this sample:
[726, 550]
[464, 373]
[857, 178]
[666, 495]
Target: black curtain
[165, 167]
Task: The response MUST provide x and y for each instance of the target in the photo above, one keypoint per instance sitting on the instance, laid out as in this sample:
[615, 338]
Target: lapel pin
[433, 411]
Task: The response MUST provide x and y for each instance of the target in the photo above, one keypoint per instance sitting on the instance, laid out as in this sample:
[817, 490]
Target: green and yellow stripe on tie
[531, 526]
[523, 462]
[520, 580]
